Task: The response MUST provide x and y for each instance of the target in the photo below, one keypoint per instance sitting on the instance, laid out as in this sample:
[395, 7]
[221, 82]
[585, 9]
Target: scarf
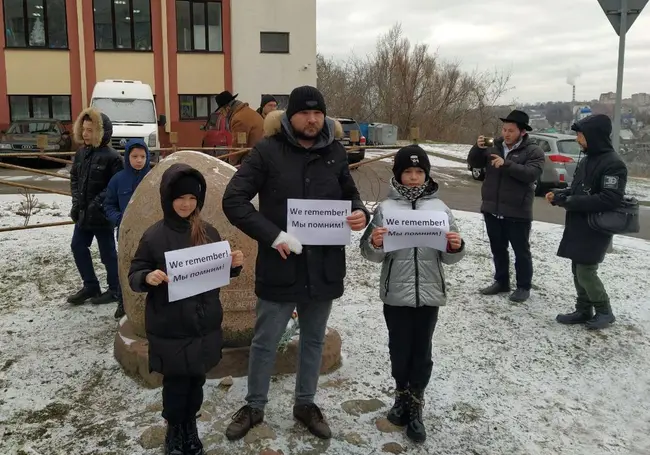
[412, 193]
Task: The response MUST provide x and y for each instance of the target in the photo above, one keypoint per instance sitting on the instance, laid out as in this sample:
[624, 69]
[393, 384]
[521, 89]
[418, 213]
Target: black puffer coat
[277, 169]
[598, 186]
[185, 336]
[508, 191]
[92, 168]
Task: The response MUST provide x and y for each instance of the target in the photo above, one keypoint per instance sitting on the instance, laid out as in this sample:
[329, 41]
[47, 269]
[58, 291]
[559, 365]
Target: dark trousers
[182, 398]
[516, 233]
[81, 241]
[590, 289]
[410, 342]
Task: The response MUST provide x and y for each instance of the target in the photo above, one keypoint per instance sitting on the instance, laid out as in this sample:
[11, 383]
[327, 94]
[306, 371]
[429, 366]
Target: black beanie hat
[305, 98]
[266, 99]
[187, 184]
[411, 156]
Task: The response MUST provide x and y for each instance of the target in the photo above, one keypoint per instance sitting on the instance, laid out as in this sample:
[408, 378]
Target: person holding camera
[598, 186]
[512, 165]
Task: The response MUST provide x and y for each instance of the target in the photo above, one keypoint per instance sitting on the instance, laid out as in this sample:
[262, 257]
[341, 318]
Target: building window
[122, 24]
[23, 107]
[36, 23]
[274, 43]
[199, 26]
[282, 100]
[196, 107]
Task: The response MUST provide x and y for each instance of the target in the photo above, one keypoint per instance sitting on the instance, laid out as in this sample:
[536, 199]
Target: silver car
[562, 156]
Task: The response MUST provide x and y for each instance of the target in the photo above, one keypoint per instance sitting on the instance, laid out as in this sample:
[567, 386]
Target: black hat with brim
[520, 118]
[224, 98]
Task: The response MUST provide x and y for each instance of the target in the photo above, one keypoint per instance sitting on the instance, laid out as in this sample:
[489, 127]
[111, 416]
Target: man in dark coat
[94, 164]
[598, 186]
[299, 159]
[267, 105]
[512, 166]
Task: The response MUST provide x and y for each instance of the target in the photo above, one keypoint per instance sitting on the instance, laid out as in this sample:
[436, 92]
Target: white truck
[130, 106]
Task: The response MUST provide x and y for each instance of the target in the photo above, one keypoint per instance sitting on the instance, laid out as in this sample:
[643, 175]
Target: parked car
[22, 136]
[348, 125]
[562, 156]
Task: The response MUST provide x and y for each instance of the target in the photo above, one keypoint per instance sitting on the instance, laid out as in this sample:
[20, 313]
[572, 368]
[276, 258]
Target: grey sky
[539, 41]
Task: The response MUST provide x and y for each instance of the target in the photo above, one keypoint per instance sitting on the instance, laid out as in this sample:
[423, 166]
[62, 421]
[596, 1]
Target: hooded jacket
[185, 337]
[92, 168]
[412, 277]
[598, 186]
[279, 168]
[123, 184]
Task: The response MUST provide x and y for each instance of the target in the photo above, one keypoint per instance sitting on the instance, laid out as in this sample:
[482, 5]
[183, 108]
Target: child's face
[88, 128]
[185, 205]
[137, 158]
[413, 176]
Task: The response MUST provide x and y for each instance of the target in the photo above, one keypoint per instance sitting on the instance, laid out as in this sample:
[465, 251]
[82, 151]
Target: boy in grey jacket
[412, 286]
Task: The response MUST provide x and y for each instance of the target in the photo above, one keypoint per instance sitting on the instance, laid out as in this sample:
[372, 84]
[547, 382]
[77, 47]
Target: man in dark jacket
[512, 166]
[300, 159]
[93, 166]
[268, 105]
[598, 186]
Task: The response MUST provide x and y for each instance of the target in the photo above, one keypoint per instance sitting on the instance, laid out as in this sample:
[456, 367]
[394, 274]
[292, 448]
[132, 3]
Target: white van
[130, 106]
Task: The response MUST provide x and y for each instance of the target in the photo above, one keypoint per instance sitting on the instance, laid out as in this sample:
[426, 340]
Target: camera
[489, 141]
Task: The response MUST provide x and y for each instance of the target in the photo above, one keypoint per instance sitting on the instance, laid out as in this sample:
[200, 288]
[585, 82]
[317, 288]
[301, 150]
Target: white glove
[293, 243]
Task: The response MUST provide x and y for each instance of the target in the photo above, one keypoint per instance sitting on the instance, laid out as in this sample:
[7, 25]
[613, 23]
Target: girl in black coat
[184, 336]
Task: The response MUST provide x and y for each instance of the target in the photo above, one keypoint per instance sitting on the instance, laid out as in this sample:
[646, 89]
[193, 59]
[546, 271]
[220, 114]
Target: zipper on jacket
[387, 280]
[442, 279]
[417, 270]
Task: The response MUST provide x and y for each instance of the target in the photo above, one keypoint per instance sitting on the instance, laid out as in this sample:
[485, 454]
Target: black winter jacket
[508, 191]
[598, 186]
[279, 168]
[92, 168]
[185, 337]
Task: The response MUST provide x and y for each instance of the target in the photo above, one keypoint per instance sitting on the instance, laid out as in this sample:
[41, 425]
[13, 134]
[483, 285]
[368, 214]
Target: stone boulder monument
[238, 298]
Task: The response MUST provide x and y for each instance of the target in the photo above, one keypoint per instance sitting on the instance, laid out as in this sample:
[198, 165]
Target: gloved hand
[290, 241]
[559, 199]
[74, 214]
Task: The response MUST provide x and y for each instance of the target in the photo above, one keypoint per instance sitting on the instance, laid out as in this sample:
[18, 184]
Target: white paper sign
[198, 269]
[319, 222]
[415, 228]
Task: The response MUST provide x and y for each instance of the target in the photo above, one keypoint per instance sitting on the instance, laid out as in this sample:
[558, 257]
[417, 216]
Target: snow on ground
[507, 378]
[639, 188]
[459, 151]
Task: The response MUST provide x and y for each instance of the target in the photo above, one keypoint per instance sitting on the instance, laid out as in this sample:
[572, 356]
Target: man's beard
[308, 137]
[517, 139]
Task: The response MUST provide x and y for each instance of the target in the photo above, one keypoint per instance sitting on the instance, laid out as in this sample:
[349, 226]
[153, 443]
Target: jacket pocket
[387, 279]
[272, 270]
[97, 171]
[334, 263]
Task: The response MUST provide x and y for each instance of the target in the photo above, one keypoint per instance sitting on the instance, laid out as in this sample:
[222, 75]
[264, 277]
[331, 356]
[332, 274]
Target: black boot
[119, 312]
[104, 298]
[174, 440]
[495, 289]
[82, 295]
[520, 295]
[193, 445]
[399, 413]
[603, 318]
[583, 313]
[415, 430]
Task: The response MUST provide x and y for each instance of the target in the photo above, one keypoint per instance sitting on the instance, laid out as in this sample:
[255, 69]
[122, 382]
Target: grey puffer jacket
[411, 277]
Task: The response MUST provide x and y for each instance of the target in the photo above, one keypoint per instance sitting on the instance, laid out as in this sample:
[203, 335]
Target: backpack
[218, 133]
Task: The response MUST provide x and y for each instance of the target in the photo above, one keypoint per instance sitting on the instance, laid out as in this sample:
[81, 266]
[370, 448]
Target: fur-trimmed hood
[274, 120]
[103, 127]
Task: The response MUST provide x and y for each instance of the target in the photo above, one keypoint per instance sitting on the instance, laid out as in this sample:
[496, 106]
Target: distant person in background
[512, 166]
[94, 164]
[598, 186]
[268, 104]
[240, 119]
[121, 188]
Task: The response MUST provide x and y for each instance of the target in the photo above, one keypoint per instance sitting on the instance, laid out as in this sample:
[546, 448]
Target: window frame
[45, 28]
[114, 30]
[204, 4]
[50, 103]
[194, 96]
[287, 34]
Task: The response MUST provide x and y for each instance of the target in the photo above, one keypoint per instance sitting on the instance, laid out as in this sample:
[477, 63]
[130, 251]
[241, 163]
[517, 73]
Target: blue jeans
[81, 241]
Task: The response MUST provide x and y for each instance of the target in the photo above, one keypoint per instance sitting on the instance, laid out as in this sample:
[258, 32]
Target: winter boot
[415, 430]
[495, 289]
[81, 296]
[399, 413]
[119, 312]
[174, 440]
[193, 445]
[104, 298]
[311, 416]
[583, 313]
[242, 421]
[603, 318]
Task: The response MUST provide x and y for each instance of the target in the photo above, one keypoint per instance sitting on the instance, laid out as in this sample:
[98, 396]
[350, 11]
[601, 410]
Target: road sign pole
[619, 78]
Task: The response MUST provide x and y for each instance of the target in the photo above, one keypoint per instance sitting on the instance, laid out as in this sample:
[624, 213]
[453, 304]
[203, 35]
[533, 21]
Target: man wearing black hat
[512, 166]
[268, 104]
[241, 118]
[299, 159]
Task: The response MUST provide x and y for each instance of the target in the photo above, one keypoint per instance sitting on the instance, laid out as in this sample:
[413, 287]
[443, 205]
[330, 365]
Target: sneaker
[81, 296]
[495, 289]
[242, 421]
[104, 298]
[311, 416]
[600, 321]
